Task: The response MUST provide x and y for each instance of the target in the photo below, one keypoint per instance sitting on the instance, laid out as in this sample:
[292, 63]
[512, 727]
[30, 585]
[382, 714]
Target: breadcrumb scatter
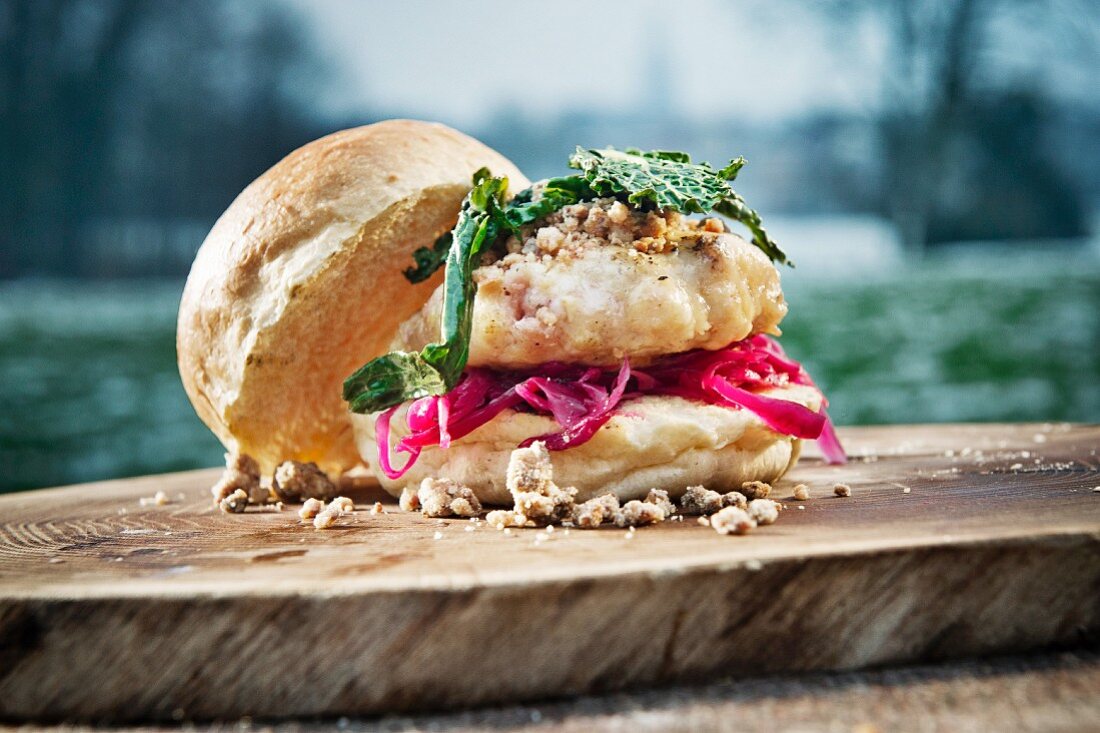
[700, 500]
[437, 536]
[734, 498]
[241, 472]
[341, 504]
[502, 519]
[259, 494]
[842, 490]
[732, 520]
[636, 513]
[756, 490]
[297, 481]
[529, 479]
[703, 521]
[594, 512]
[801, 492]
[378, 508]
[325, 519]
[764, 511]
[442, 497]
[409, 501]
[660, 498]
[158, 499]
[235, 503]
[310, 509]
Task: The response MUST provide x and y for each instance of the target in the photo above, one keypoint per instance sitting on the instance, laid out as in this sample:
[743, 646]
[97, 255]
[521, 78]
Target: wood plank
[113, 611]
[1053, 692]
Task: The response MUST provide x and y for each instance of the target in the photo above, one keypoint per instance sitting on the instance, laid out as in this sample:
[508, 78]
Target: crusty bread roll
[651, 442]
[300, 283]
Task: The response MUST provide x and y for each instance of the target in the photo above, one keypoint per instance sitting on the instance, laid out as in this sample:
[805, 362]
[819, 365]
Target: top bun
[301, 281]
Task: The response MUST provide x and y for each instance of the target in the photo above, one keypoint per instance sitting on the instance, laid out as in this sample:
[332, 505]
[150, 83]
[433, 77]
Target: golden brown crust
[605, 303]
[299, 283]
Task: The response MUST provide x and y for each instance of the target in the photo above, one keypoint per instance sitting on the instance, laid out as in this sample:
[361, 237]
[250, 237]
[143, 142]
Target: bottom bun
[654, 442]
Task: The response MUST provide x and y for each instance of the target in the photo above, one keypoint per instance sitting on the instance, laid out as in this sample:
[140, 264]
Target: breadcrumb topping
[801, 492]
[842, 490]
[608, 222]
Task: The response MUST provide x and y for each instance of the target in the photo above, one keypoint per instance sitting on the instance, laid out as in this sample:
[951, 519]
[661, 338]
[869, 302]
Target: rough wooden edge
[124, 660]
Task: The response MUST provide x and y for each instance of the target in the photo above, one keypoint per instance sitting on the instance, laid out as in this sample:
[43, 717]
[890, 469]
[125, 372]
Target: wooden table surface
[114, 611]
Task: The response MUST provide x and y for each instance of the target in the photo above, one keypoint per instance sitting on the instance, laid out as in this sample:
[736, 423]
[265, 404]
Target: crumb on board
[529, 478]
[409, 501]
[594, 512]
[438, 535]
[756, 489]
[298, 481]
[442, 497]
[732, 520]
[259, 494]
[660, 498]
[801, 492]
[235, 503]
[378, 508]
[158, 499]
[325, 519]
[241, 472]
[504, 518]
[637, 513]
[341, 504]
[734, 498]
[764, 511]
[842, 490]
[310, 509]
[325, 516]
[700, 500]
[703, 520]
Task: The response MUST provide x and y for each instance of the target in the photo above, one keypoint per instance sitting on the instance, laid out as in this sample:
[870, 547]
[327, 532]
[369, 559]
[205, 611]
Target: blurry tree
[962, 128]
[114, 109]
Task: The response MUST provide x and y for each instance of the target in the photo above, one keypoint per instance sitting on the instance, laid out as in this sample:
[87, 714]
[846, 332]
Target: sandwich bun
[300, 283]
[660, 442]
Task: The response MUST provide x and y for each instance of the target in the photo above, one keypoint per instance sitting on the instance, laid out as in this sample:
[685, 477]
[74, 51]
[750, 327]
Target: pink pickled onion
[582, 399]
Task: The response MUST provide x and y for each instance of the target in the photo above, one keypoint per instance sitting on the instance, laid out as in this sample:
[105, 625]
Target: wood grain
[114, 611]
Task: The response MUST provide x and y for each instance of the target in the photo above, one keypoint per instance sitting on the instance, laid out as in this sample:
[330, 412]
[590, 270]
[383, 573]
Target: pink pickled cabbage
[582, 399]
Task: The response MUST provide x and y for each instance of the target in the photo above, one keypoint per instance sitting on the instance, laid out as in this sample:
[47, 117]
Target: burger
[610, 315]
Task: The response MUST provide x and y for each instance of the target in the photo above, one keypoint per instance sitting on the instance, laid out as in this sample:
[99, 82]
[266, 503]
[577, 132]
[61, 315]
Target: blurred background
[933, 167]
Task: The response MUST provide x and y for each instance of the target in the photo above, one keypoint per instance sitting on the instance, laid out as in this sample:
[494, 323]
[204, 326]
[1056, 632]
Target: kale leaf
[669, 180]
[402, 375]
[428, 260]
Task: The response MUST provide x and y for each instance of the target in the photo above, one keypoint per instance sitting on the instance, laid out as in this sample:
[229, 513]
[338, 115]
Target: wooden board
[114, 611]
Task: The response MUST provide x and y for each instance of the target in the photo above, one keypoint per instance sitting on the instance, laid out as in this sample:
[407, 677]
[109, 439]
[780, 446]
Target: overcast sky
[457, 61]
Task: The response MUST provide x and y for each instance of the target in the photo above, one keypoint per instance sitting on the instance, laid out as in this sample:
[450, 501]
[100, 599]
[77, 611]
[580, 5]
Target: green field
[89, 387]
